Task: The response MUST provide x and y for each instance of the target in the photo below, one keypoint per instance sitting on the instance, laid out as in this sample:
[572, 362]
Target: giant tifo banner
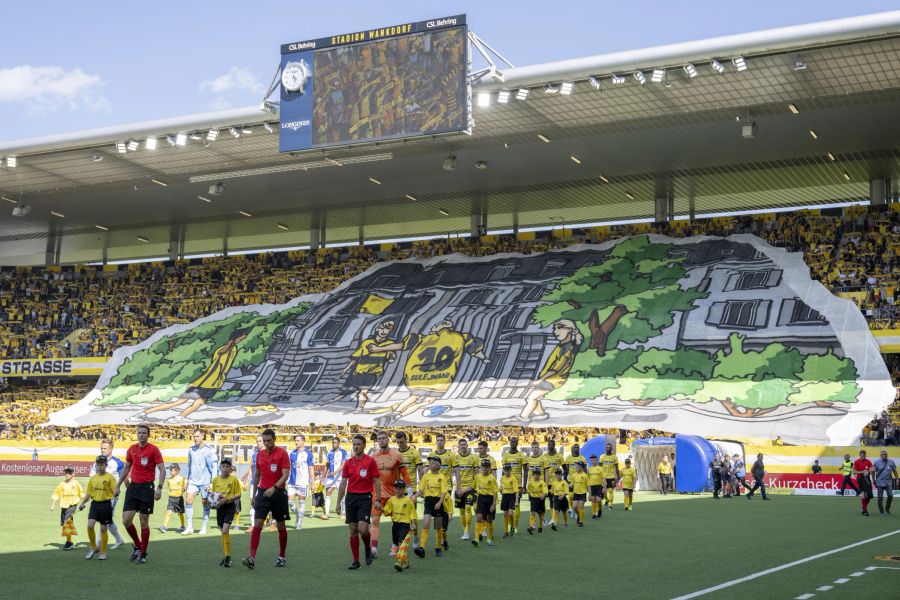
[709, 336]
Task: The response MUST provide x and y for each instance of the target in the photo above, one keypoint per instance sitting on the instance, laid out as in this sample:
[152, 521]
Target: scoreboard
[401, 81]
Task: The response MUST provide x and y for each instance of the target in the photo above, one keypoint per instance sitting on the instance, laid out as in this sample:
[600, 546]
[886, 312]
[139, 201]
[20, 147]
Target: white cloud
[220, 103]
[49, 89]
[236, 80]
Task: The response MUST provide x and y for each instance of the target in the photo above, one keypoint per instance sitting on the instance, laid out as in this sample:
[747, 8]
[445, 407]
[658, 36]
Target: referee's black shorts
[865, 485]
[357, 508]
[276, 504]
[139, 498]
[101, 512]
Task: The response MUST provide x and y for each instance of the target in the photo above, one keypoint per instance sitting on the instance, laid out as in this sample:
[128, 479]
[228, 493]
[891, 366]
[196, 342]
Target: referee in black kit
[716, 468]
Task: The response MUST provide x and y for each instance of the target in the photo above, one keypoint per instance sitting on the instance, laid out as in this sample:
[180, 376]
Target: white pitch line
[857, 574]
[804, 596]
[824, 588]
[841, 580]
[734, 582]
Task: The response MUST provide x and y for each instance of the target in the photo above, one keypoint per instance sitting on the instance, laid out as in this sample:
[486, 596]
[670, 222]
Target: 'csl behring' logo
[302, 46]
[295, 125]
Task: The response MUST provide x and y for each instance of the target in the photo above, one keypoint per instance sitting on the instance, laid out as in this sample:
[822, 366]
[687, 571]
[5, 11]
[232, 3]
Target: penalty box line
[734, 582]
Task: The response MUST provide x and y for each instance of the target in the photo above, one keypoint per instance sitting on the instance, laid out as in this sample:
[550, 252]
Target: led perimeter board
[387, 83]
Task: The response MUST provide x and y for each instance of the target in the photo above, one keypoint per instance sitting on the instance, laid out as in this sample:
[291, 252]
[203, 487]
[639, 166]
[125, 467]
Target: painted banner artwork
[708, 336]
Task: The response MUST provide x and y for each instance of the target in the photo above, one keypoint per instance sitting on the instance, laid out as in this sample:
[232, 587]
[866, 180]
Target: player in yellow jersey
[432, 364]
[574, 457]
[225, 489]
[412, 460]
[534, 459]
[68, 493]
[204, 387]
[537, 497]
[175, 484]
[509, 499]
[367, 363]
[579, 482]
[629, 477]
[467, 463]
[100, 491]
[318, 497]
[433, 488]
[595, 482]
[486, 503]
[516, 460]
[402, 510]
[610, 464]
[553, 460]
[448, 462]
[559, 490]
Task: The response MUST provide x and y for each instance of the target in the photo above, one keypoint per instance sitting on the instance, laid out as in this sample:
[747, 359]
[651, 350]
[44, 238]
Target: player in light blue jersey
[113, 466]
[301, 478]
[201, 468]
[334, 462]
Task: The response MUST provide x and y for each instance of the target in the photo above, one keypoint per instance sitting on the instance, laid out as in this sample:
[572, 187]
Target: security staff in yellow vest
[847, 472]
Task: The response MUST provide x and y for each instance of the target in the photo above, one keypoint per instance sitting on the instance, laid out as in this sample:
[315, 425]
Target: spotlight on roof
[216, 189]
[595, 82]
[143, 239]
[444, 212]
[484, 99]
[96, 157]
[121, 148]
[181, 139]
[450, 163]
[551, 89]
[211, 135]
[691, 70]
[480, 165]
[717, 66]
[281, 226]
[739, 63]
[268, 128]
[617, 79]
[22, 210]
[522, 94]
[566, 88]
[133, 145]
[170, 140]
[793, 108]
[543, 138]
[640, 77]
[195, 135]
[658, 75]
[798, 65]
[150, 143]
[234, 132]
[11, 162]
[503, 97]
[247, 129]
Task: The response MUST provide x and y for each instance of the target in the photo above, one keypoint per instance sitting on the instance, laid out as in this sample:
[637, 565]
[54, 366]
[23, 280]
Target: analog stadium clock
[295, 75]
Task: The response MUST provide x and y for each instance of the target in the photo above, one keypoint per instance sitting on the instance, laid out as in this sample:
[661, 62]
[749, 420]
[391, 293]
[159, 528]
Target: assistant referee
[360, 476]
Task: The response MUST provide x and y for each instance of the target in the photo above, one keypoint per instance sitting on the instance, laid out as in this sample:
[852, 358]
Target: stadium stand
[92, 310]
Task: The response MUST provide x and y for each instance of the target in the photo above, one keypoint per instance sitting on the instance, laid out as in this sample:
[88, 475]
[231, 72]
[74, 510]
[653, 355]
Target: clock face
[294, 76]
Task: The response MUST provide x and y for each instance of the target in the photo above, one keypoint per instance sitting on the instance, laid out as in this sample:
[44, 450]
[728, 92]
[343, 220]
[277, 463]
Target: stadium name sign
[725, 337]
[52, 367]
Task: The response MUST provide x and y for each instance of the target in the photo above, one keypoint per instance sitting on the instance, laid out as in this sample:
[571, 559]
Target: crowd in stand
[92, 310]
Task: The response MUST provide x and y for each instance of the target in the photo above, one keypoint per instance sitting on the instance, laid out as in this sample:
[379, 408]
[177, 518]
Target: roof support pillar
[54, 245]
[478, 218]
[664, 201]
[317, 231]
[880, 191]
[176, 241]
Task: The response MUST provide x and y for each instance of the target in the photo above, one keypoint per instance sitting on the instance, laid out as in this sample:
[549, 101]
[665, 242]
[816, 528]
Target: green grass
[664, 548]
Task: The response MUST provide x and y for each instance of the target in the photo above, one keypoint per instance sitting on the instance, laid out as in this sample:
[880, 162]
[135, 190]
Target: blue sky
[66, 66]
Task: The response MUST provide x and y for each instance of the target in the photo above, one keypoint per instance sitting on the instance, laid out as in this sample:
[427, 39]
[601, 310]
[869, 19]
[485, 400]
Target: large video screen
[395, 82]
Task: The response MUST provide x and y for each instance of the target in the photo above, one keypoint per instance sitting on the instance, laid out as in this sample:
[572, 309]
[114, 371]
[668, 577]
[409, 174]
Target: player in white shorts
[300, 479]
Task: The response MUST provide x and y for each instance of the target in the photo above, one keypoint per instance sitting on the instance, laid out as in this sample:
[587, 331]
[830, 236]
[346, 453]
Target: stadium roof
[823, 98]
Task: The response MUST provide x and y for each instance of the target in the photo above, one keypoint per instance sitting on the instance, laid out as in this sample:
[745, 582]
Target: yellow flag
[375, 304]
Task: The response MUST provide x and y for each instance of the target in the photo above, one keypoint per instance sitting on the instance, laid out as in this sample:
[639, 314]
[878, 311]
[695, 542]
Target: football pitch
[668, 547]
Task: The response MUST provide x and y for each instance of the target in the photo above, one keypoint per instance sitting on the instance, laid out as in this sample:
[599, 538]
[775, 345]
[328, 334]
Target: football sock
[595, 507]
[490, 525]
[114, 529]
[166, 518]
[145, 539]
[104, 540]
[864, 499]
[374, 530]
[236, 522]
[254, 540]
[282, 542]
[367, 541]
[565, 515]
[505, 523]
[132, 532]
[226, 543]
[423, 537]
[189, 514]
[92, 537]
[205, 515]
[181, 518]
[438, 537]
[516, 514]
[531, 520]
[556, 517]
[354, 546]
[479, 526]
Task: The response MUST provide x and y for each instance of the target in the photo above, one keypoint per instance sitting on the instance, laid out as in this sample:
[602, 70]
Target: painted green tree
[629, 298]
[166, 368]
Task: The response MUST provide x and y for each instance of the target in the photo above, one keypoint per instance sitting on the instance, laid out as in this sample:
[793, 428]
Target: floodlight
[566, 87]
[133, 145]
[739, 63]
[121, 148]
[595, 82]
[717, 66]
[658, 75]
[150, 143]
[641, 78]
[551, 89]
[617, 79]
[522, 94]
[211, 135]
[691, 70]
[484, 99]
[503, 97]
[181, 139]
